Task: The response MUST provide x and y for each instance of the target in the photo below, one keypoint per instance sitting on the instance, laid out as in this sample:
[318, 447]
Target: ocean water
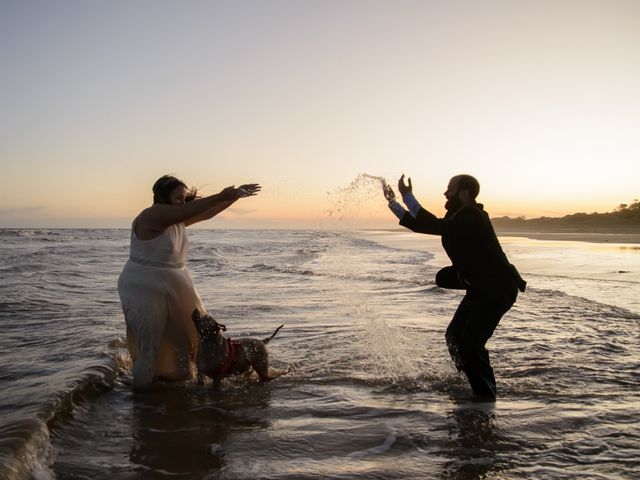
[370, 391]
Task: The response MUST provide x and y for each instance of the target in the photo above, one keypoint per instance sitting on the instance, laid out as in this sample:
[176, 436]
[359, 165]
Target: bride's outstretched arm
[160, 216]
[210, 213]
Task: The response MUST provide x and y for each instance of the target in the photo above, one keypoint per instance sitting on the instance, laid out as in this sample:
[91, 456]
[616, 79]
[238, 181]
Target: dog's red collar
[231, 357]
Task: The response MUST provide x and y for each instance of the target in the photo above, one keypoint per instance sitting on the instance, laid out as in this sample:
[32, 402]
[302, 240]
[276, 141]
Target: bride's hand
[248, 190]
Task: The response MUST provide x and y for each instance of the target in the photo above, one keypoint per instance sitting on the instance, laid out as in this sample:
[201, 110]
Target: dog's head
[205, 324]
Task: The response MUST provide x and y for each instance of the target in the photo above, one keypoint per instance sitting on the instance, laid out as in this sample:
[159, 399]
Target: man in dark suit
[479, 266]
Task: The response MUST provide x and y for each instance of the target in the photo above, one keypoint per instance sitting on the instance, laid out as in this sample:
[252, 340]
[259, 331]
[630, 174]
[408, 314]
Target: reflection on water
[474, 442]
[177, 430]
[631, 248]
[195, 421]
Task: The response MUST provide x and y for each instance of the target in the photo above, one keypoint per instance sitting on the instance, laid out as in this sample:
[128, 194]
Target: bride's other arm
[209, 213]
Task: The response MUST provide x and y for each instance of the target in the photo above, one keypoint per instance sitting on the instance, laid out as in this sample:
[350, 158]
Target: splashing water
[382, 181]
[357, 197]
[392, 354]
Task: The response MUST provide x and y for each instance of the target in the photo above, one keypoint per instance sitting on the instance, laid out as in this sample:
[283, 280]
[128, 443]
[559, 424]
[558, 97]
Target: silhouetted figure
[479, 266]
[155, 287]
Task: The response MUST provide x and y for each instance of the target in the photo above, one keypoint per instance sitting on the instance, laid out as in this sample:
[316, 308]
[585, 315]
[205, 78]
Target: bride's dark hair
[164, 186]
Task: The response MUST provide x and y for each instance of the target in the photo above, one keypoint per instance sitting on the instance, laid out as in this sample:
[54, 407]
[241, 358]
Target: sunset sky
[539, 100]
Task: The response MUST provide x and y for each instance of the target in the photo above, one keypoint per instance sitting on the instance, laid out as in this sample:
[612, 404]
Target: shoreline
[624, 237]
[590, 237]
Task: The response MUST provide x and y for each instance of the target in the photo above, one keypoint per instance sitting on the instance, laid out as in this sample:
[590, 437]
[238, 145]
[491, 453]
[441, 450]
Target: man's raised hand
[402, 188]
[388, 192]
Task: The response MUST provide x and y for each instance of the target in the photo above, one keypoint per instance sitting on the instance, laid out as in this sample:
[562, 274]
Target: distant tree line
[623, 217]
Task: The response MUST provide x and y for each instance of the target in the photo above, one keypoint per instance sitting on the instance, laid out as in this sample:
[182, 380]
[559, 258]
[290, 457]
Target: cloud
[20, 210]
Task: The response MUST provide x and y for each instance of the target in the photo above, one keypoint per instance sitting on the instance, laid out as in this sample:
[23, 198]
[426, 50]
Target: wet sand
[573, 236]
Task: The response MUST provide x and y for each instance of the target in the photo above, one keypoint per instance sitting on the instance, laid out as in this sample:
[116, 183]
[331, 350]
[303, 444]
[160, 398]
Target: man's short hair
[469, 183]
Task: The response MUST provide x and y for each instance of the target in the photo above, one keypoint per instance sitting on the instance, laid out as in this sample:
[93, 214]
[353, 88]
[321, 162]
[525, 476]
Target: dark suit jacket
[471, 244]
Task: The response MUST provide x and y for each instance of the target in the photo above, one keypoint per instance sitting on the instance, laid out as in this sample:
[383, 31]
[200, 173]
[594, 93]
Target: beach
[626, 237]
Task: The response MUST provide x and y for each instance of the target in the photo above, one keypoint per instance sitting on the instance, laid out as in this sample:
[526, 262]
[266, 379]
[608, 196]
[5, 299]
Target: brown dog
[220, 357]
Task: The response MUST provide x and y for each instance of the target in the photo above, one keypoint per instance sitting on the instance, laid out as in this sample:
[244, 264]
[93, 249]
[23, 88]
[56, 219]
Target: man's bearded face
[453, 196]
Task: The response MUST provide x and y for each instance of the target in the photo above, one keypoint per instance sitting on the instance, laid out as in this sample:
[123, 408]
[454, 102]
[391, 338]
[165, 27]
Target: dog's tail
[267, 340]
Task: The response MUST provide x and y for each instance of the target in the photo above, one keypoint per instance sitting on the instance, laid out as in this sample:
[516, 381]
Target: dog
[220, 357]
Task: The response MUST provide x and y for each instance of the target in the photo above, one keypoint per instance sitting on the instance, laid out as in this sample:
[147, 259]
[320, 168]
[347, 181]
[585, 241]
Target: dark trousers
[472, 325]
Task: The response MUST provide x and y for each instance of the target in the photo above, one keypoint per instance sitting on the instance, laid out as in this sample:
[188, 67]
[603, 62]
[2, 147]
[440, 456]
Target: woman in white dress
[156, 290]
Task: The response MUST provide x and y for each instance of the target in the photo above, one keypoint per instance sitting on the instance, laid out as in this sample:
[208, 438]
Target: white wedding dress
[158, 297]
